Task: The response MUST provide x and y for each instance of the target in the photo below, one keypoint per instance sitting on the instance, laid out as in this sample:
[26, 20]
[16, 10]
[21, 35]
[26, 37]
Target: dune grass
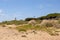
[50, 30]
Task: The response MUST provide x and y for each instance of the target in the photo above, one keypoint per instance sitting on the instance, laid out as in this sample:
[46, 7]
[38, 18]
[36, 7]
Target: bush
[22, 30]
[23, 36]
[3, 25]
[28, 27]
[10, 27]
[38, 21]
[52, 31]
[28, 19]
[59, 21]
[49, 25]
[50, 16]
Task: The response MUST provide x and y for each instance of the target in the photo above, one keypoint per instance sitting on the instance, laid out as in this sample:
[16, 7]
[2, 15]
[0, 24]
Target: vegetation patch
[49, 25]
[3, 25]
[50, 30]
[23, 36]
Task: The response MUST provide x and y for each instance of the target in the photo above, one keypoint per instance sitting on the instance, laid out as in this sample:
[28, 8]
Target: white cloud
[1, 12]
[41, 7]
[45, 6]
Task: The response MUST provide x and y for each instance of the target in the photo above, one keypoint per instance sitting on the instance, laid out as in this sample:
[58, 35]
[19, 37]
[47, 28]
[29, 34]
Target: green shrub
[22, 30]
[49, 29]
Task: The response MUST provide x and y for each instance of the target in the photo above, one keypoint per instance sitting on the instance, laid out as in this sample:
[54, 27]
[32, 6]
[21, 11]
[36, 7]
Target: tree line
[49, 16]
[17, 22]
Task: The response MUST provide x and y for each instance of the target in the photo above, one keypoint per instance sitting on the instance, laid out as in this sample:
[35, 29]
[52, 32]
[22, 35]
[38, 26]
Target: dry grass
[50, 30]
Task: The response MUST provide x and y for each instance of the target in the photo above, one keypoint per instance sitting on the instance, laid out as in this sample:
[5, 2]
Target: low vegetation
[48, 26]
[3, 25]
[50, 30]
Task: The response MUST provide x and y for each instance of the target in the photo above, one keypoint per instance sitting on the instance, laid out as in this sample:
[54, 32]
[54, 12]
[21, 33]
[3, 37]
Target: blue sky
[21, 9]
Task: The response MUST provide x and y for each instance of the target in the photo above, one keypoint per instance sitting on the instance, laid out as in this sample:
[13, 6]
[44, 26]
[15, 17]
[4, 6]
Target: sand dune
[10, 34]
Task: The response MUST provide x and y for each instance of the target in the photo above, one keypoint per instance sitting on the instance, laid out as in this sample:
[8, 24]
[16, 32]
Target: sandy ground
[10, 34]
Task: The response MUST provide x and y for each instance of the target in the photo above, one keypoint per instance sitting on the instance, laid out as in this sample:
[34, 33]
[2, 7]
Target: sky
[21, 9]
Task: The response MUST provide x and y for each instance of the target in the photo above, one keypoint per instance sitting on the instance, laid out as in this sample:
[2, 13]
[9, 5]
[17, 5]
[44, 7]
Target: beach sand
[11, 34]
